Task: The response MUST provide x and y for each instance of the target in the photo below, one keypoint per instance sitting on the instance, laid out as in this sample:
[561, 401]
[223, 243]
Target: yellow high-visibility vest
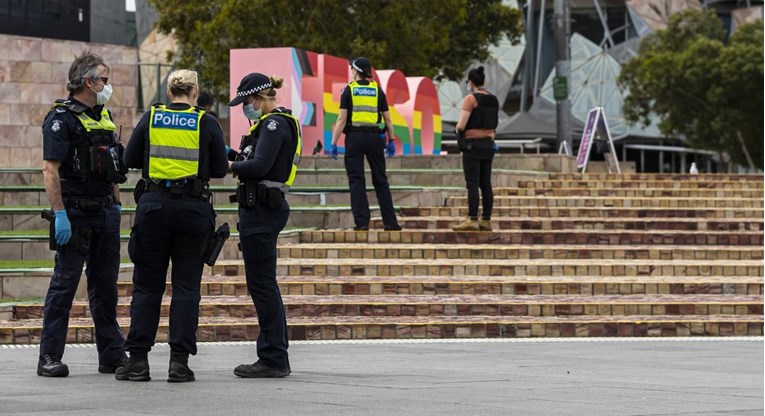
[364, 111]
[286, 185]
[89, 124]
[174, 143]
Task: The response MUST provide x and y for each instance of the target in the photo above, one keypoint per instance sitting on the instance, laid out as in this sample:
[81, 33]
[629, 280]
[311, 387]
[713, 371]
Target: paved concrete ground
[563, 377]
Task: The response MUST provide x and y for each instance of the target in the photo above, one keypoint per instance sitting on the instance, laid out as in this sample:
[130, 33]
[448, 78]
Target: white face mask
[103, 96]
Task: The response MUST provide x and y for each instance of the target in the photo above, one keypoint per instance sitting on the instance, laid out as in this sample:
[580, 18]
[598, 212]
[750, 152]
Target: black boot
[179, 370]
[111, 368]
[260, 370]
[50, 365]
[135, 369]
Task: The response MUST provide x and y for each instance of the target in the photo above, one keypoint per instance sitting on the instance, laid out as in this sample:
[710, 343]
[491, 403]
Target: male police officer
[361, 104]
[81, 168]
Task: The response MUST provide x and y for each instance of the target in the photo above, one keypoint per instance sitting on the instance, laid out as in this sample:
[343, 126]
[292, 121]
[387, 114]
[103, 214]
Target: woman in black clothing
[478, 119]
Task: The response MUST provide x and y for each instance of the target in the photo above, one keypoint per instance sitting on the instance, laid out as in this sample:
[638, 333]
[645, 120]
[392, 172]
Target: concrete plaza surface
[708, 376]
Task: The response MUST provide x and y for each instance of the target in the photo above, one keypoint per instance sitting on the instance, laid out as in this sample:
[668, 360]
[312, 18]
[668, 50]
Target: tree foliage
[706, 89]
[438, 39]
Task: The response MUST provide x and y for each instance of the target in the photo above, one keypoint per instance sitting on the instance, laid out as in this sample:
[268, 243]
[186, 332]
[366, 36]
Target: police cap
[251, 84]
[362, 65]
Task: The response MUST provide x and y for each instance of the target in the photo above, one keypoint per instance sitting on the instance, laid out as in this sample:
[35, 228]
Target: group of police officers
[179, 147]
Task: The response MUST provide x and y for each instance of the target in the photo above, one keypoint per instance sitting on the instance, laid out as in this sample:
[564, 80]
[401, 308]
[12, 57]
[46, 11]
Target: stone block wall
[33, 73]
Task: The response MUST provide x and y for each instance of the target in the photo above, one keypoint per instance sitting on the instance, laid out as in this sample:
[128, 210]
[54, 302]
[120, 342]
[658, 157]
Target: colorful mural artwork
[312, 86]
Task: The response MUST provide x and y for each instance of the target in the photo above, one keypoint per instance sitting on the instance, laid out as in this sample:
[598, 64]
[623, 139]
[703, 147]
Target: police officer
[206, 102]
[361, 104]
[266, 167]
[179, 148]
[477, 123]
[81, 168]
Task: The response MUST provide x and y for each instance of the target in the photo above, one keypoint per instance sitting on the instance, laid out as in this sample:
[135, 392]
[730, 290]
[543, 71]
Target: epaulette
[158, 105]
[62, 105]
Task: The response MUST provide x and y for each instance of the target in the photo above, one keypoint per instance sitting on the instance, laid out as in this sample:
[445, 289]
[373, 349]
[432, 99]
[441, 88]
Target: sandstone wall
[33, 73]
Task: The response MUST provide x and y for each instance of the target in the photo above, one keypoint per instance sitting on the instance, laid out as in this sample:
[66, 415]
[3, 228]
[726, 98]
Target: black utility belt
[88, 203]
[251, 194]
[194, 188]
[375, 130]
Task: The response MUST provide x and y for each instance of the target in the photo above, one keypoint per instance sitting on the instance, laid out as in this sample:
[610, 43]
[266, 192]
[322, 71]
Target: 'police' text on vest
[365, 91]
[179, 121]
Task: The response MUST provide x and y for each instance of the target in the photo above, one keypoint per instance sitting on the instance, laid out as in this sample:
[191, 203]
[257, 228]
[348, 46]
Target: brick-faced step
[480, 285]
[495, 251]
[675, 177]
[453, 305]
[81, 330]
[632, 192]
[663, 184]
[597, 201]
[528, 237]
[590, 212]
[504, 267]
[541, 223]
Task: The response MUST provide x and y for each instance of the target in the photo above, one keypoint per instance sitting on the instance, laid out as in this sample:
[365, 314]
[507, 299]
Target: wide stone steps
[81, 330]
[710, 183]
[481, 285]
[546, 223]
[642, 177]
[452, 305]
[597, 201]
[512, 252]
[595, 237]
[504, 267]
[591, 212]
[335, 195]
[633, 193]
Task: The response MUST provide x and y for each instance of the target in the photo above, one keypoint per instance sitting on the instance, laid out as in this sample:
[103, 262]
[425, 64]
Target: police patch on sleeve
[56, 125]
[272, 125]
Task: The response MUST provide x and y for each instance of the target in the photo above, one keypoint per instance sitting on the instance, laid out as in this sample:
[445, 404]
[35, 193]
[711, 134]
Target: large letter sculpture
[312, 87]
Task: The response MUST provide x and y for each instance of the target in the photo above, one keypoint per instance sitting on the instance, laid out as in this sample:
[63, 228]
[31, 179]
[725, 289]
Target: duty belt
[194, 188]
[88, 203]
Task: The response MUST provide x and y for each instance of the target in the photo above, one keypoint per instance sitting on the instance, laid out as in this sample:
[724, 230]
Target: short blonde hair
[182, 82]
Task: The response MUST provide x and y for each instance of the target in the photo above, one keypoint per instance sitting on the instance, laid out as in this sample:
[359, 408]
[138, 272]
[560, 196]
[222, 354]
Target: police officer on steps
[179, 148]
[361, 105]
[81, 169]
[266, 167]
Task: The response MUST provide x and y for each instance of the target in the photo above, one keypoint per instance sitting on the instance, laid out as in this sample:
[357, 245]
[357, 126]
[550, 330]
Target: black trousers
[103, 269]
[167, 229]
[476, 164]
[258, 231]
[357, 146]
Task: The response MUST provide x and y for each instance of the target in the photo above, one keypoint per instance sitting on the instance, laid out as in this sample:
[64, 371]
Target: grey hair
[84, 66]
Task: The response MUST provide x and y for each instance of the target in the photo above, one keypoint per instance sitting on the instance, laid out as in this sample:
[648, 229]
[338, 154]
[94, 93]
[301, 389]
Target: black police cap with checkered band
[251, 84]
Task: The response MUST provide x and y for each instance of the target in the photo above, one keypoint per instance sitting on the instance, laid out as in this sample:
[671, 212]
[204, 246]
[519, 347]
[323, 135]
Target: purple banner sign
[587, 134]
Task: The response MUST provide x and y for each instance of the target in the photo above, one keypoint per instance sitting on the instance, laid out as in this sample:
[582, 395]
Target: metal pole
[602, 17]
[562, 18]
[537, 66]
[527, 67]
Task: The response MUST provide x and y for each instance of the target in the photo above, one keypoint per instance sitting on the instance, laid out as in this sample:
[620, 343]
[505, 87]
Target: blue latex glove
[390, 149]
[228, 149]
[333, 151]
[119, 208]
[63, 228]
[495, 147]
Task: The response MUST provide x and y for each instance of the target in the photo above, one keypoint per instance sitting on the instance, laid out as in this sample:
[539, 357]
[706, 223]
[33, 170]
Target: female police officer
[266, 167]
[179, 147]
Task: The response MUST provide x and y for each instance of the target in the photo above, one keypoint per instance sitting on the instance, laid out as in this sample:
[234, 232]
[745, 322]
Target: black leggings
[477, 166]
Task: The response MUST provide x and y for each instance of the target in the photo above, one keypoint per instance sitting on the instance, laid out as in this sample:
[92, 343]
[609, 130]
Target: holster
[81, 236]
[140, 188]
[213, 244]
